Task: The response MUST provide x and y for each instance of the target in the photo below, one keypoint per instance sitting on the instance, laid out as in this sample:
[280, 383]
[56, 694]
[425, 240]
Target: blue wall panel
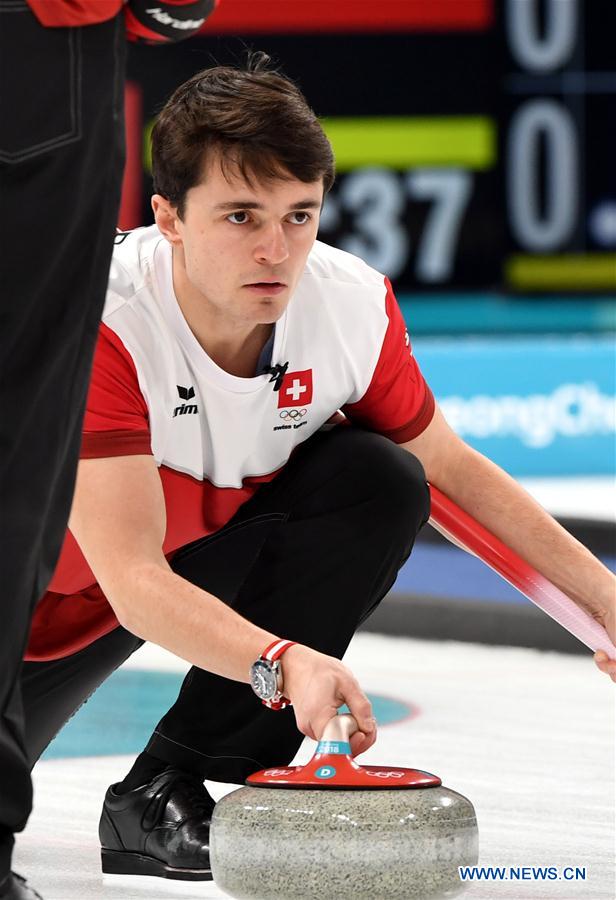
[536, 406]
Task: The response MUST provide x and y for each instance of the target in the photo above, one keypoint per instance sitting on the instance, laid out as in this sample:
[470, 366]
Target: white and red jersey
[214, 436]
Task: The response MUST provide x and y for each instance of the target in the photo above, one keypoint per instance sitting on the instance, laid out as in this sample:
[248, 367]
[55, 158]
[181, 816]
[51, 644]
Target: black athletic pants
[61, 161]
[308, 557]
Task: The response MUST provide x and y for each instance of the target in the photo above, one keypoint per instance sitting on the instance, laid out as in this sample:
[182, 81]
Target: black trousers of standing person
[308, 557]
[61, 162]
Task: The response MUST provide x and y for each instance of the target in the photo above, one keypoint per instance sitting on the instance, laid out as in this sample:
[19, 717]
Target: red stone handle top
[332, 767]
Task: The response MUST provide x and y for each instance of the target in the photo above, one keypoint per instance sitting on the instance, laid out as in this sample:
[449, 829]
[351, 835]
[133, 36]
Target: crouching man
[220, 510]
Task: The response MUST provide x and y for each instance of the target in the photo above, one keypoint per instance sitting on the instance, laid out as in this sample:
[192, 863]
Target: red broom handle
[462, 529]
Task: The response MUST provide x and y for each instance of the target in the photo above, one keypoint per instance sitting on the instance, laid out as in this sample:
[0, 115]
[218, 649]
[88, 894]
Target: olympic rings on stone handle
[293, 413]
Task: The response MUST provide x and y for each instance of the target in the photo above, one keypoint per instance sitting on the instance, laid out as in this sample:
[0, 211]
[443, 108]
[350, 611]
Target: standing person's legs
[53, 691]
[61, 159]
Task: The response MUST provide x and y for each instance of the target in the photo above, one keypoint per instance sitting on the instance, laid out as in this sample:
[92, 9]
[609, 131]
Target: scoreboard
[475, 140]
[558, 145]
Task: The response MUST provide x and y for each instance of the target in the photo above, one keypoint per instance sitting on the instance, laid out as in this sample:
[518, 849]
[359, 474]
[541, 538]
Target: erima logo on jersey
[186, 408]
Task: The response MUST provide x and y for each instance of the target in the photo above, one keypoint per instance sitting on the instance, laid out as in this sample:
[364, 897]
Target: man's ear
[167, 218]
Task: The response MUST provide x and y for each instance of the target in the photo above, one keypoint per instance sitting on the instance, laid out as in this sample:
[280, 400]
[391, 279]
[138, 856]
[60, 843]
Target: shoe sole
[116, 862]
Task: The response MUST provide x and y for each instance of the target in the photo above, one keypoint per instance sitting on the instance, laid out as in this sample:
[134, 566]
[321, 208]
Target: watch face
[263, 679]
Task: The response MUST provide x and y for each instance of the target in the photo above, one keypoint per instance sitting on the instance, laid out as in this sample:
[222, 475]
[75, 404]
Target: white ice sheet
[528, 736]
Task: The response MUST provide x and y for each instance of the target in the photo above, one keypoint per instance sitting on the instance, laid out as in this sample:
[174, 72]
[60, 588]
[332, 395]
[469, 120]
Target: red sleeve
[73, 13]
[116, 419]
[165, 21]
[398, 403]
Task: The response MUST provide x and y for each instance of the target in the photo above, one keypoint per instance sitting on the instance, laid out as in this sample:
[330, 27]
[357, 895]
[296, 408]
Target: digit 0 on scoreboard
[559, 145]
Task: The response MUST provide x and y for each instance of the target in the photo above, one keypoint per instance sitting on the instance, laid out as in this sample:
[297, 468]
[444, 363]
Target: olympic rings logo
[293, 413]
[387, 773]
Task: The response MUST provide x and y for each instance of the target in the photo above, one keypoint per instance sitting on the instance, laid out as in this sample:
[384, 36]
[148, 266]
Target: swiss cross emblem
[296, 389]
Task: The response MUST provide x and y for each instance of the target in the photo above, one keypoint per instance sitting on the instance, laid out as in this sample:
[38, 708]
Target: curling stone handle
[340, 728]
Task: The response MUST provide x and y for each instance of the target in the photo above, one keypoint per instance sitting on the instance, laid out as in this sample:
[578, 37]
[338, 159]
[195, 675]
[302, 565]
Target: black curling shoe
[16, 888]
[161, 828]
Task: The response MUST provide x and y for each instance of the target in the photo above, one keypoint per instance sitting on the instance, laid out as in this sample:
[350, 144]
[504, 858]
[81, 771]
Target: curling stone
[333, 828]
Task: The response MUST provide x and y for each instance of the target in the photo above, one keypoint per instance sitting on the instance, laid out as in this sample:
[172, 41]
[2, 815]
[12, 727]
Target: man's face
[244, 248]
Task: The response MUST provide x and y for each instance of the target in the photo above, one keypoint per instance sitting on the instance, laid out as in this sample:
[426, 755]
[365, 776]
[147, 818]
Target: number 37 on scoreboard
[371, 214]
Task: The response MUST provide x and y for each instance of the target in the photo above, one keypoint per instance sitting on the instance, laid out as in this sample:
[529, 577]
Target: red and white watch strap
[276, 649]
[271, 653]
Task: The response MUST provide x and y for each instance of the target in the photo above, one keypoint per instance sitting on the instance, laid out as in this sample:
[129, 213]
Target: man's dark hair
[255, 118]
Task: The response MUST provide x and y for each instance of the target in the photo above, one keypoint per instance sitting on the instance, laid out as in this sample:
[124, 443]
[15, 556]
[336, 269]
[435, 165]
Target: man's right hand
[317, 685]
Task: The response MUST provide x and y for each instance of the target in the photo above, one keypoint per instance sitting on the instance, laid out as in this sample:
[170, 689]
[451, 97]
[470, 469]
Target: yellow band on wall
[583, 271]
[406, 142]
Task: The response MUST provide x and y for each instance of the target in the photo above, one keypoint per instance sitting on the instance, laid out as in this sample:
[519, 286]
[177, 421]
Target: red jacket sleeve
[165, 21]
[74, 13]
[398, 403]
[150, 21]
[116, 419]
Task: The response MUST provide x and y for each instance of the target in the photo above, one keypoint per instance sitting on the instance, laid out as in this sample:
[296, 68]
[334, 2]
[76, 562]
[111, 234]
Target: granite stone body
[366, 845]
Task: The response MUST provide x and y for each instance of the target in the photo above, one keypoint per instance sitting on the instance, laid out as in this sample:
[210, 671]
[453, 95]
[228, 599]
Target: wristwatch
[266, 675]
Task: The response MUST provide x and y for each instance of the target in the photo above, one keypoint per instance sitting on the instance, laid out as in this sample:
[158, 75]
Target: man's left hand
[602, 660]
